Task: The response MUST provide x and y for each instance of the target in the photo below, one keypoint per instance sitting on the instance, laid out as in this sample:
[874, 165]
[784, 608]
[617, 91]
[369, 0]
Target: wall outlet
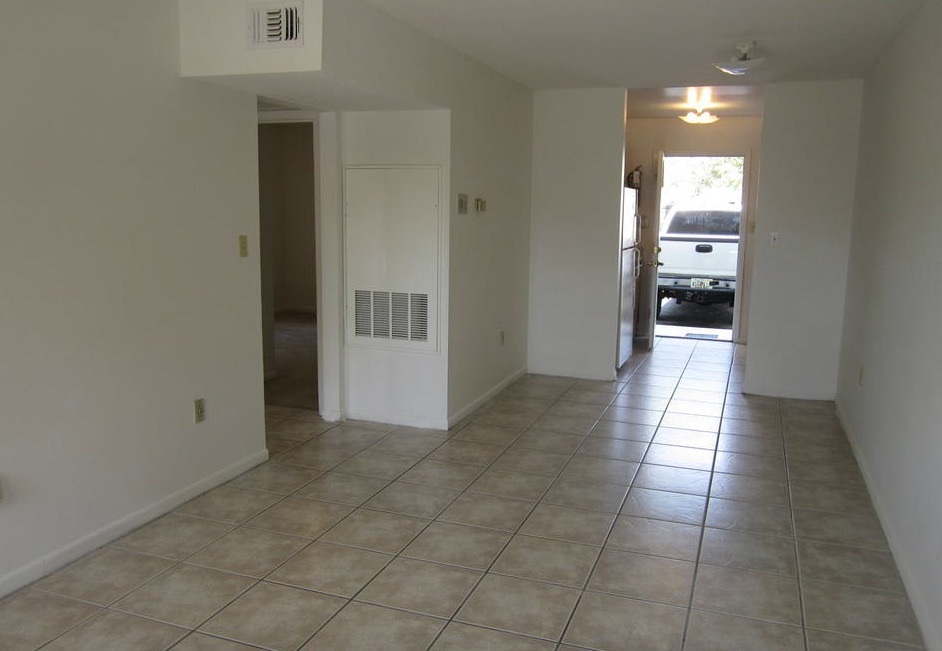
[243, 246]
[860, 376]
[503, 337]
[199, 410]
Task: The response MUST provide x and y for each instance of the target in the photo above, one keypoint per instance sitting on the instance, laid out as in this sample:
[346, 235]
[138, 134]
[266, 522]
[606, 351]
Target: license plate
[700, 283]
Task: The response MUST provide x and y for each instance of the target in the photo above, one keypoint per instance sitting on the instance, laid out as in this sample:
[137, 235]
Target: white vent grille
[275, 25]
[397, 316]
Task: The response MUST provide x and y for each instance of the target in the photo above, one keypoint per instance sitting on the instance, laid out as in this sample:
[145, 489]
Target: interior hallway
[662, 511]
[295, 336]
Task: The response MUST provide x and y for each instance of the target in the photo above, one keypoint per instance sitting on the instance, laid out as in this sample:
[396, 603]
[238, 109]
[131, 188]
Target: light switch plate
[462, 204]
[243, 246]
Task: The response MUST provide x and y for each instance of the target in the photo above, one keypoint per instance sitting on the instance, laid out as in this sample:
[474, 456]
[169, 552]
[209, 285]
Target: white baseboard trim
[406, 420]
[54, 560]
[926, 616]
[468, 409]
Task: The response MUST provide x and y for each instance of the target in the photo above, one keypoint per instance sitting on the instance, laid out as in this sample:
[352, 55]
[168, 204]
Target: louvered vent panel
[419, 321]
[398, 316]
[275, 25]
[363, 319]
[381, 315]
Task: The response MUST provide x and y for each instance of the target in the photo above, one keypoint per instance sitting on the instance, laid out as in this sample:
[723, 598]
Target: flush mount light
[699, 117]
[699, 100]
[742, 63]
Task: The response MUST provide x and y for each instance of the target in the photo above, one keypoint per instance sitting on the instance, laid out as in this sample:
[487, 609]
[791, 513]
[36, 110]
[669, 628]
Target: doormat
[696, 335]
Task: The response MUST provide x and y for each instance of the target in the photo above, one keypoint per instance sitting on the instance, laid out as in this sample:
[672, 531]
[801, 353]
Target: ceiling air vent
[275, 25]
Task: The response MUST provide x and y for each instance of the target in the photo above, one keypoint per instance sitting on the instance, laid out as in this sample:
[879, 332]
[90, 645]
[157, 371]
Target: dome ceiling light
[699, 100]
[741, 64]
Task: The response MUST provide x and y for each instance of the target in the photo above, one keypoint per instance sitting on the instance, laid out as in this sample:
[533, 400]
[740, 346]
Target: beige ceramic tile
[487, 511]
[412, 499]
[377, 464]
[664, 505]
[338, 488]
[460, 545]
[202, 642]
[652, 578]
[749, 551]
[364, 627]
[31, 618]
[825, 641]
[677, 480]
[508, 483]
[276, 478]
[421, 587]
[113, 630]
[456, 476]
[462, 637]
[520, 606]
[572, 525]
[185, 596]
[300, 517]
[333, 569]
[247, 551]
[274, 616]
[376, 531]
[753, 517]
[750, 594]
[607, 622]
[553, 561]
[593, 496]
[656, 537]
[104, 576]
[174, 536]
[860, 611]
[716, 632]
[229, 504]
[469, 452]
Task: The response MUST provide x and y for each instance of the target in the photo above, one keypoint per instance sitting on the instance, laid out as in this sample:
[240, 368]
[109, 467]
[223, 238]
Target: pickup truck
[699, 251]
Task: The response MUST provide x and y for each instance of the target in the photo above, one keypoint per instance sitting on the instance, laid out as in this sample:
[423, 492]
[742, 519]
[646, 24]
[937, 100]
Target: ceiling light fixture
[741, 64]
[699, 100]
[699, 117]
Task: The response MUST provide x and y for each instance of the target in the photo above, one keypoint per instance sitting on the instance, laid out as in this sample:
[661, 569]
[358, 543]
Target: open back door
[648, 301]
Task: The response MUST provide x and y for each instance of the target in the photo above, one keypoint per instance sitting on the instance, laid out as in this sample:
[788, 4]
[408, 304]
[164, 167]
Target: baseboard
[405, 420]
[927, 617]
[468, 409]
[54, 560]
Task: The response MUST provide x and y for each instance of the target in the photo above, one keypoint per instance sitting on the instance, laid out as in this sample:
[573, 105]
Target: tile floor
[662, 511]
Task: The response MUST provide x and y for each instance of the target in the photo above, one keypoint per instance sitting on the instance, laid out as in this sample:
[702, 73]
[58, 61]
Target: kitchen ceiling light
[741, 64]
[699, 117]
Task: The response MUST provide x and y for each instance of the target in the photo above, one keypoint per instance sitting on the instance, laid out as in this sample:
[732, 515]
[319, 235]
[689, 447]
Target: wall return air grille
[396, 316]
[275, 25]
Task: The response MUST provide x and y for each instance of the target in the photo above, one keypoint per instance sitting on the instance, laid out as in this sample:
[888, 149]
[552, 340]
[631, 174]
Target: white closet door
[391, 253]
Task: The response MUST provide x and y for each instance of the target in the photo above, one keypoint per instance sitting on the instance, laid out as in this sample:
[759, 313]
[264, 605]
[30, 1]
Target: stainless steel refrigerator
[630, 270]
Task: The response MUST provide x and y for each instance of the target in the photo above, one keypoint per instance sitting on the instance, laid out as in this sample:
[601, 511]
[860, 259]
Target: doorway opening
[700, 215]
[288, 269]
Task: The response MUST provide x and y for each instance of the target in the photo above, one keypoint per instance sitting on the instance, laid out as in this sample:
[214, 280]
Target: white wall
[806, 194]
[214, 41]
[268, 206]
[293, 241]
[395, 385]
[733, 136]
[490, 158]
[122, 193]
[578, 165]
[892, 319]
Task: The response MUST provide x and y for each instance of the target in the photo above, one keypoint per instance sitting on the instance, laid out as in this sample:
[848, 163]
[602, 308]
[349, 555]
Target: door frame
[746, 229]
[327, 383]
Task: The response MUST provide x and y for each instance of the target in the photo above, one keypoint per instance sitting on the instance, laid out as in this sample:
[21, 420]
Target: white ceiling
[728, 101]
[659, 43]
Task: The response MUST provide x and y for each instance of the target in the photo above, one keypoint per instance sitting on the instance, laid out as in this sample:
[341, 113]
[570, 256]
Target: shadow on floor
[295, 362]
